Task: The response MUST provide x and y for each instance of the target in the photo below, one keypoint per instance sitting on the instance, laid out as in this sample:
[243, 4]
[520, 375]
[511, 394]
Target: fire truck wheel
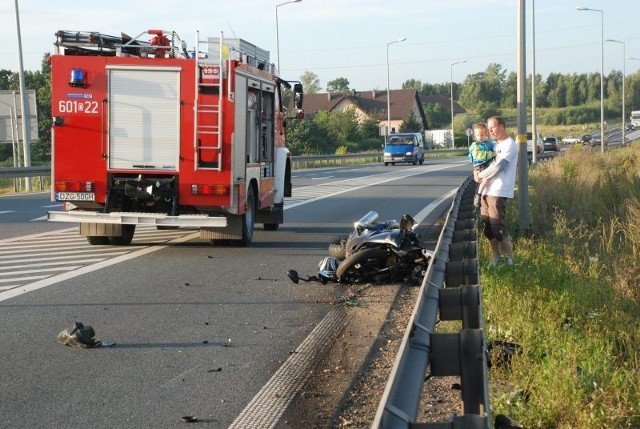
[125, 238]
[271, 226]
[248, 218]
[97, 240]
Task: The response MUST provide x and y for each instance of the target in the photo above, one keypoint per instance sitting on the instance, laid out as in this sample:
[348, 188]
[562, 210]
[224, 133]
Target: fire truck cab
[146, 132]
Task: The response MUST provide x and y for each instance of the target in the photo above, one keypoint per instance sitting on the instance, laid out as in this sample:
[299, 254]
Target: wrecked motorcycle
[374, 251]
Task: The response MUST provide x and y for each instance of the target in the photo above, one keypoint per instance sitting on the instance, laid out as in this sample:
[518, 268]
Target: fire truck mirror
[297, 95]
[58, 121]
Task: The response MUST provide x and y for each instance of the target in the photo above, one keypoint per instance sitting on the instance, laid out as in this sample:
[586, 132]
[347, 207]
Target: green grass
[572, 300]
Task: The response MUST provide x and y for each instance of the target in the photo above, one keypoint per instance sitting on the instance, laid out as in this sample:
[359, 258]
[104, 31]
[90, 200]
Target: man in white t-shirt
[493, 205]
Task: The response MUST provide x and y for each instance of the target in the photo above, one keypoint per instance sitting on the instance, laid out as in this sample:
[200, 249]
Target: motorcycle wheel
[338, 249]
[360, 265]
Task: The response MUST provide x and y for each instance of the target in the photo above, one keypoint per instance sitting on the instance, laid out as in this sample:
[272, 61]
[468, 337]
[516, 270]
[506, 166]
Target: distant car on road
[404, 147]
[551, 143]
[571, 140]
[587, 138]
[631, 127]
[539, 143]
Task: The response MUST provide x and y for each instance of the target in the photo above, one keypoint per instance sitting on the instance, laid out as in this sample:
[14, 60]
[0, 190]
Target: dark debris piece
[80, 335]
[501, 352]
[506, 422]
[189, 419]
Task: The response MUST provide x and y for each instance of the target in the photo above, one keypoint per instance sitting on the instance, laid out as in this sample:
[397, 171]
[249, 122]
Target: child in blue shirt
[481, 154]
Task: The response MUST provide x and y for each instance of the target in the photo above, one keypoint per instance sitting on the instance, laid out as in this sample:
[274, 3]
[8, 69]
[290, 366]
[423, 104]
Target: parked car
[571, 140]
[587, 138]
[596, 141]
[551, 143]
[539, 143]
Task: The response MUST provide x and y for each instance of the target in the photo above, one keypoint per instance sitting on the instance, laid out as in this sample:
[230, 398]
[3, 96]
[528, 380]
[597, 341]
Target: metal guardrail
[13, 172]
[367, 157]
[450, 288]
[298, 162]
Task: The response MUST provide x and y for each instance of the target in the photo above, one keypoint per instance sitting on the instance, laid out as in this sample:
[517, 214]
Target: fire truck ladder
[207, 110]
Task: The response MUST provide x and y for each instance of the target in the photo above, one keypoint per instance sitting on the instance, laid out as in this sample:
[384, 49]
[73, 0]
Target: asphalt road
[198, 329]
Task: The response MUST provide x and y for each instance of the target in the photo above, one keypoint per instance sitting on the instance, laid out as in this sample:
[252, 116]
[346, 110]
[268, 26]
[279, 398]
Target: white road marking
[309, 194]
[422, 214]
[36, 252]
[21, 290]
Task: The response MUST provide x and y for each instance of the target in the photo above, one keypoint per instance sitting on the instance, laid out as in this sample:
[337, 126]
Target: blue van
[404, 147]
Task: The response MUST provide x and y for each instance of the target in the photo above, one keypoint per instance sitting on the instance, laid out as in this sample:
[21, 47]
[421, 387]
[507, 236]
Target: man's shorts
[493, 211]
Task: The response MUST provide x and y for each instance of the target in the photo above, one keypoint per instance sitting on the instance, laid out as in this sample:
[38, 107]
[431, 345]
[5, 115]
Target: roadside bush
[371, 144]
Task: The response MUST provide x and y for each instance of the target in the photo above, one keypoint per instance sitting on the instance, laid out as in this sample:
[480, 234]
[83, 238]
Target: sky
[350, 38]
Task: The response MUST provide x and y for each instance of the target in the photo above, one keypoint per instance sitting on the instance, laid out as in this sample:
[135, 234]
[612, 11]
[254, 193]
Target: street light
[453, 140]
[278, 30]
[24, 103]
[624, 56]
[402, 39]
[580, 9]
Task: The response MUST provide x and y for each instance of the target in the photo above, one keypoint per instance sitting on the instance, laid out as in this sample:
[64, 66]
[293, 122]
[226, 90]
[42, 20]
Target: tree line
[567, 99]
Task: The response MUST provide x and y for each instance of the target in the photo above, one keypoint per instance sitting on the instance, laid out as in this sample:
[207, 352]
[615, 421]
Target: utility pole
[523, 164]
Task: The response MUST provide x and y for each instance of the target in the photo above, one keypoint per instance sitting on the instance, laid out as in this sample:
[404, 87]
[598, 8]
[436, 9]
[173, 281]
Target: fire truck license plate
[75, 196]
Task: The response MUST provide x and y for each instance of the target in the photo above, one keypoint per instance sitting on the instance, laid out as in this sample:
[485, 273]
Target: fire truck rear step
[134, 218]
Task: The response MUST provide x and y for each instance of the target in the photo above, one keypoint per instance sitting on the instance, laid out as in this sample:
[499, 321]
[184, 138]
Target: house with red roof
[374, 103]
[370, 103]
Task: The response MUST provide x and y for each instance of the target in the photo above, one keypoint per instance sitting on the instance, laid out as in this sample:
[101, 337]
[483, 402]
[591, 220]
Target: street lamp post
[453, 140]
[278, 30]
[24, 103]
[402, 39]
[601, 71]
[624, 56]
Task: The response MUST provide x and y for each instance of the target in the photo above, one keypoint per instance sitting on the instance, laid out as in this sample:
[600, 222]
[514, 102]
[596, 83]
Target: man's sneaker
[496, 261]
[501, 260]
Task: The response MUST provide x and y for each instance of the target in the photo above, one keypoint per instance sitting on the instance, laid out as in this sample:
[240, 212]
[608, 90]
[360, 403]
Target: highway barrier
[450, 291]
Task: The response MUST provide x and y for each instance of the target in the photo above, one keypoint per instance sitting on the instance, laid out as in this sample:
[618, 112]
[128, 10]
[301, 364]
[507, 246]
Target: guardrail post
[463, 354]
[461, 303]
[473, 371]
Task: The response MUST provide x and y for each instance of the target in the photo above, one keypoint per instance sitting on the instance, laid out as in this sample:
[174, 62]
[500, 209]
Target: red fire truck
[146, 132]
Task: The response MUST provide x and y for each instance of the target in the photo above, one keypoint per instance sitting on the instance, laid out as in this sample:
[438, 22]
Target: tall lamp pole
[601, 71]
[402, 39]
[624, 56]
[278, 30]
[453, 140]
[24, 102]
[534, 130]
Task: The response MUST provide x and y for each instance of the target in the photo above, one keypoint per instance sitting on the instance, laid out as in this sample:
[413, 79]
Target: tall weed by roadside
[572, 300]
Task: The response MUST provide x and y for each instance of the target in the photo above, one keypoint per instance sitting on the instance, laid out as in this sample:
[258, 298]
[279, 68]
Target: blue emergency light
[77, 78]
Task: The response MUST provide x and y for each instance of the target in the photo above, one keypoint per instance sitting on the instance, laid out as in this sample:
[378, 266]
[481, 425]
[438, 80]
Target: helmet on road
[327, 268]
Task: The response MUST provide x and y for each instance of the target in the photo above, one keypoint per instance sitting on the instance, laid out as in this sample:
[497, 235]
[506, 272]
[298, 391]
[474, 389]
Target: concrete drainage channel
[450, 290]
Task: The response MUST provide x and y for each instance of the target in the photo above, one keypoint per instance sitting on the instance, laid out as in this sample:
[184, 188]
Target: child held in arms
[481, 154]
